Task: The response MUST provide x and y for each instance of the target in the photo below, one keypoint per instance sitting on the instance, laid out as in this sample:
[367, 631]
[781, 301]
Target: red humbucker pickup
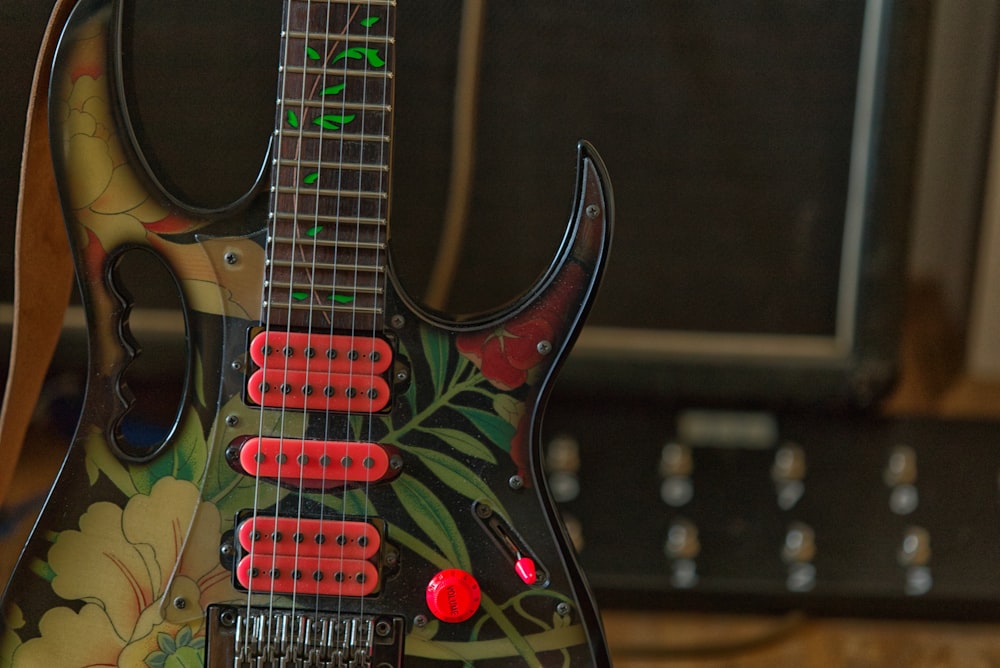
[291, 536]
[323, 353]
[315, 463]
[354, 392]
[319, 576]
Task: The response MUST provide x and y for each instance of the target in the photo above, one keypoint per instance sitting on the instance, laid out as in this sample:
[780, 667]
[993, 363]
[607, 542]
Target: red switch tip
[525, 568]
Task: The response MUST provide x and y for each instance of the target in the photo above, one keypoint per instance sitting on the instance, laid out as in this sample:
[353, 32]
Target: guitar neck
[326, 248]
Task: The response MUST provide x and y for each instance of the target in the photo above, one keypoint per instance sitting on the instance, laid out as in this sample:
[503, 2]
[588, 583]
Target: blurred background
[789, 382]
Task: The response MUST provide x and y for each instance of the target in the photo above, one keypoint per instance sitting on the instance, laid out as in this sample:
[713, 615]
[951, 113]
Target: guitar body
[403, 524]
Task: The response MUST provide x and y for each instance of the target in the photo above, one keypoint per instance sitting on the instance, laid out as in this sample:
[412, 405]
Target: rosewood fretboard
[326, 254]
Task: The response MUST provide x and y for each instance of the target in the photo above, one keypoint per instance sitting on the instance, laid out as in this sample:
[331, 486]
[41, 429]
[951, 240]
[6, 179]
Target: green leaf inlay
[334, 90]
[311, 178]
[300, 296]
[342, 299]
[293, 120]
[312, 53]
[369, 22]
[313, 231]
[357, 53]
[333, 121]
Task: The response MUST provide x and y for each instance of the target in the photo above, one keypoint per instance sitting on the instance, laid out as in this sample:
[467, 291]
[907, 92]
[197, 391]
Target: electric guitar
[350, 480]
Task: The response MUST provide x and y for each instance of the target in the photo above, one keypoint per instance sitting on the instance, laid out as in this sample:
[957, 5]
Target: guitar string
[296, 199]
[383, 205]
[329, 47]
[268, 297]
[310, 257]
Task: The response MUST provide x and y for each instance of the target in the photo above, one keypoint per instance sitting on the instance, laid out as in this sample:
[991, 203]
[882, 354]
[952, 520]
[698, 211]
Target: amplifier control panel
[751, 510]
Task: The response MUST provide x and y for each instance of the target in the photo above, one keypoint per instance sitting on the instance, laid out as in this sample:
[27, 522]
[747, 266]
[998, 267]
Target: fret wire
[352, 308]
[320, 71]
[299, 242]
[329, 192]
[314, 134]
[345, 106]
[365, 39]
[330, 164]
[357, 289]
[328, 266]
[295, 216]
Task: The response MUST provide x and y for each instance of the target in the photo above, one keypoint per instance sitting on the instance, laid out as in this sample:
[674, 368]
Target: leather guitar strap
[43, 268]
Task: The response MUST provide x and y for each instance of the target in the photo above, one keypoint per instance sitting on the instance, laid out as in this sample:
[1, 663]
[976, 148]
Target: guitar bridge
[267, 638]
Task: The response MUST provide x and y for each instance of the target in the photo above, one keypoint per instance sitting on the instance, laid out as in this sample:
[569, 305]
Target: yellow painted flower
[122, 563]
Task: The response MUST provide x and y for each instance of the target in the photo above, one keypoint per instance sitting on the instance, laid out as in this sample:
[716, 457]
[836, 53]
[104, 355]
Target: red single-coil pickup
[355, 393]
[317, 576]
[290, 536]
[329, 353]
[310, 463]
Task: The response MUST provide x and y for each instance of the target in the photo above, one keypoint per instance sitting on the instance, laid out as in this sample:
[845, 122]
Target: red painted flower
[507, 353]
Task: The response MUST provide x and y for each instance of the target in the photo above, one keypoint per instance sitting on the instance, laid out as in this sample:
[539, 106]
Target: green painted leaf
[437, 348]
[184, 636]
[311, 178]
[433, 517]
[293, 120]
[313, 231]
[458, 476]
[300, 296]
[43, 570]
[334, 90]
[312, 53]
[494, 427]
[186, 657]
[166, 643]
[156, 660]
[370, 21]
[465, 443]
[342, 299]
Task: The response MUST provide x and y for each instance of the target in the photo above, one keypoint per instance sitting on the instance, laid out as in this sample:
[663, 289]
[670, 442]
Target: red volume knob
[453, 595]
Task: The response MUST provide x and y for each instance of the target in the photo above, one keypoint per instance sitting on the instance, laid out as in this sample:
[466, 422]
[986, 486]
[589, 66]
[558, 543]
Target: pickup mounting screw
[483, 510]
[516, 482]
[563, 609]
[593, 211]
[232, 420]
[420, 621]
[544, 347]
